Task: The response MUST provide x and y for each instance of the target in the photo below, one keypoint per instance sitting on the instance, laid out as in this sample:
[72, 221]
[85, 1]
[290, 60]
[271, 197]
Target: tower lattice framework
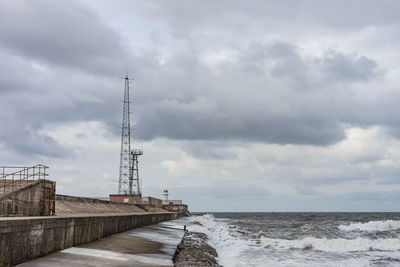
[135, 171]
[125, 166]
[129, 183]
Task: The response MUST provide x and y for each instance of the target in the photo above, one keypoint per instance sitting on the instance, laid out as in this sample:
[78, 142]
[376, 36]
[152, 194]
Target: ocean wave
[371, 226]
[244, 247]
[334, 245]
[222, 237]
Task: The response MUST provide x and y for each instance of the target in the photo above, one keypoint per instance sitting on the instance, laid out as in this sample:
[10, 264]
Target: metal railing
[13, 177]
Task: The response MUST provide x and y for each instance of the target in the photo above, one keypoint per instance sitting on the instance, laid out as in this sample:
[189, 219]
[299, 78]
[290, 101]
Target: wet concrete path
[145, 246]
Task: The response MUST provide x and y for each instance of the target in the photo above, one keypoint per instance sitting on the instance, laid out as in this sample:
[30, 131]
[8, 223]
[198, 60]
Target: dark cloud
[65, 33]
[233, 16]
[20, 136]
[288, 101]
[209, 150]
[216, 125]
[341, 68]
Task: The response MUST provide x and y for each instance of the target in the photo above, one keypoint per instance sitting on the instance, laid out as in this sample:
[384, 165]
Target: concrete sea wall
[23, 239]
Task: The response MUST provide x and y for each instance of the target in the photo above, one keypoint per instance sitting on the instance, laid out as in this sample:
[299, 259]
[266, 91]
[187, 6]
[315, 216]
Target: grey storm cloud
[62, 33]
[243, 16]
[273, 103]
[289, 100]
[60, 62]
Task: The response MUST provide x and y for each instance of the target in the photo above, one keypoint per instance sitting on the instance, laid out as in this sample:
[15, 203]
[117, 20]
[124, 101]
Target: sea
[301, 239]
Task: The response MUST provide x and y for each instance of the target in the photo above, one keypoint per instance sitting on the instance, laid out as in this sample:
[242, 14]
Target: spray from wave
[334, 245]
[222, 237]
[372, 226]
[297, 240]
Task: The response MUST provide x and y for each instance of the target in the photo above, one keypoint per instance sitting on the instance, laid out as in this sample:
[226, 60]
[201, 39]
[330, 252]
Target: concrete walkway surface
[136, 247]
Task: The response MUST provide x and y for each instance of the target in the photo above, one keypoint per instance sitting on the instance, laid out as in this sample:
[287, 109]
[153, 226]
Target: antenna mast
[125, 162]
[128, 168]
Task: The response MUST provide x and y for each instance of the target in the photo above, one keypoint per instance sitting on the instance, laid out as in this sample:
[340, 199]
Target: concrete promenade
[129, 248]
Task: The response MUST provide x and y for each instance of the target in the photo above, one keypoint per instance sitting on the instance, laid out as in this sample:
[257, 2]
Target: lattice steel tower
[128, 168]
[135, 171]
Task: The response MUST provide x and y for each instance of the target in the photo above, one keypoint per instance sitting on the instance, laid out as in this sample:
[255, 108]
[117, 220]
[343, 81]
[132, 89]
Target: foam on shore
[372, 226]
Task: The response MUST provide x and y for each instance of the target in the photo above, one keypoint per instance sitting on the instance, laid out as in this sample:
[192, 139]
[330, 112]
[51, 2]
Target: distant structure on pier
[173, 205]
[165, 197]
[129, 184]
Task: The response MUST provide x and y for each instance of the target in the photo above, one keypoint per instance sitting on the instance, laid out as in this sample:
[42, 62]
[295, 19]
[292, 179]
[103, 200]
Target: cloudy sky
[241, 105]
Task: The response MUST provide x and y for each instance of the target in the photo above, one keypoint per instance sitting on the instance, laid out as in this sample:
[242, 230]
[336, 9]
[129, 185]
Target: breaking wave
[222, 237]
[334, 245]
[315, 243]
[372, 226]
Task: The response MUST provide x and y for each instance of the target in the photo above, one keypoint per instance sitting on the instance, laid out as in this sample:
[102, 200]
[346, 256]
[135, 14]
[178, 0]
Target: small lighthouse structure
[165, 197]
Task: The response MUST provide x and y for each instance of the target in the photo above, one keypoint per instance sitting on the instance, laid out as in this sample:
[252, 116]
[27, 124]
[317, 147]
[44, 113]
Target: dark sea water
[302, 239]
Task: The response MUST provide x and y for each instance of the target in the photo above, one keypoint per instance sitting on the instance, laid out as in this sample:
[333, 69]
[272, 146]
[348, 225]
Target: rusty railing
[12, 177]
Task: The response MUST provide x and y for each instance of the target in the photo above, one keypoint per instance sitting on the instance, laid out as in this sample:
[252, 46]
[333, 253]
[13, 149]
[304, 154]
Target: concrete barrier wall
[27, 238]
[66, 205]
[155, 202]
[34, 198]
[80, 199]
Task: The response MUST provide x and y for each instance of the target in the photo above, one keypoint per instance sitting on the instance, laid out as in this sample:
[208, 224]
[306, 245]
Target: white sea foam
[234, 249]
[372, 226]
[334, 245]
[352, 262]
[229, 247]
